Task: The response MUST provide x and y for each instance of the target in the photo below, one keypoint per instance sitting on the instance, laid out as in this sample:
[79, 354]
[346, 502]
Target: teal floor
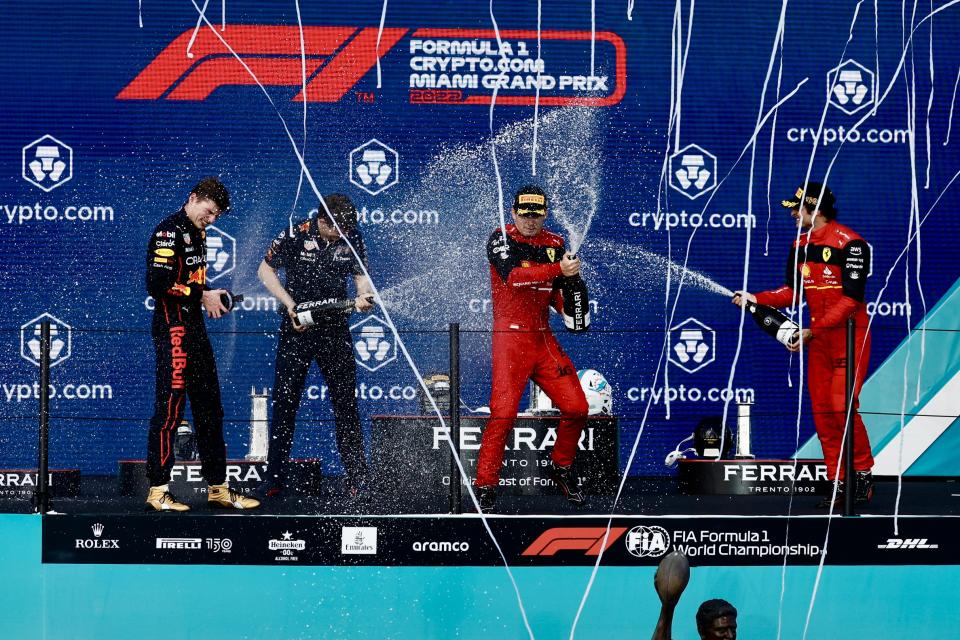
[102, 602]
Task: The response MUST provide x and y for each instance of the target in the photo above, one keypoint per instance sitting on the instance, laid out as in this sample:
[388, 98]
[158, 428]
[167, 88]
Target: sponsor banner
[418, 163]
[20, 484]
[62, 347]
[753, 477]
[458, 66]
[851, 96]
[670, 220]
[47, 163]
[415, 452]
[460, 540]
[446, 66]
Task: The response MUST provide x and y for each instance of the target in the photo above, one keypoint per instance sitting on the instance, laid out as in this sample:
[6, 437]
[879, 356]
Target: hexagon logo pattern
[61, 342]
[693, 171]
[47, 163]
[693, 345]
[375, 347]
[221, 253]
[850, 86]
[374, 167]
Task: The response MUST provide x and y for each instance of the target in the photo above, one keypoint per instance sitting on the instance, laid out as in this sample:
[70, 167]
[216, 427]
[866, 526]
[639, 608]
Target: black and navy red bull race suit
[316, 270]
[523, 272]
[176, 278]
[832, 266]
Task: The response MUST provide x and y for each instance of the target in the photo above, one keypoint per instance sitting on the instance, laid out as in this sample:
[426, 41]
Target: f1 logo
[586, 539]
[337, 57]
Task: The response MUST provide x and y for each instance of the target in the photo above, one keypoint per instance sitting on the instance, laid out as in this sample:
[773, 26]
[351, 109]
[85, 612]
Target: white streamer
[663, 350]
[493, 141]
[536, 99]
[593, 35]
[383, 19]
[385, 311]
[953, 100]
[303, 92]
[200, 20]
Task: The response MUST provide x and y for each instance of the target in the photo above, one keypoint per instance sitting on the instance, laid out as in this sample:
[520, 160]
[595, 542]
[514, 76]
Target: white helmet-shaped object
[597, 390]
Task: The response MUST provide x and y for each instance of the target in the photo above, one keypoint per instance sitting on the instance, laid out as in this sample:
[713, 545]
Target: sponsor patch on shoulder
[166, 253]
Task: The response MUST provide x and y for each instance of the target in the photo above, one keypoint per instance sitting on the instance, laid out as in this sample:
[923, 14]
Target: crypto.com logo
[693, 171]
[692, 345]
[374, 167]
[374, 349]
[336, 59]
[221, 253]
[850, 86]
[60, 340]
[47, 163]
[586, 539]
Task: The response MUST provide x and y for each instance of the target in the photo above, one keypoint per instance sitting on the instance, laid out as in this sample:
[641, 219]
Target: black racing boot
[487, 497]
[829, 499]
[271, 488]
[864, 487]
[568, 483]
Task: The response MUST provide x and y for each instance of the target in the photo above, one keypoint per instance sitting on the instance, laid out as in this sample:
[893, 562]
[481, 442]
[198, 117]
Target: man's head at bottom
[716, 620]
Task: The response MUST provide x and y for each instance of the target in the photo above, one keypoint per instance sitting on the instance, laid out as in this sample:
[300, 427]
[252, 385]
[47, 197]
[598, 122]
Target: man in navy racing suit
[317, 261]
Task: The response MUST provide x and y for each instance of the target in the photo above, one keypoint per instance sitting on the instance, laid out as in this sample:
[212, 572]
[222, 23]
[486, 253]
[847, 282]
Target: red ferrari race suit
[832, 263]
[522, 275]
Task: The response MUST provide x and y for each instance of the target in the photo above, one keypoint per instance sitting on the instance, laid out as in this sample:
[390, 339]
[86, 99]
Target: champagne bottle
[230, 299]
[782, 328]
[576, 303]
[313, 311]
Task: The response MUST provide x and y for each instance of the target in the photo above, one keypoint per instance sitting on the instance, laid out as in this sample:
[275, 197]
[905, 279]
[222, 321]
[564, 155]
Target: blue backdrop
[640, 139]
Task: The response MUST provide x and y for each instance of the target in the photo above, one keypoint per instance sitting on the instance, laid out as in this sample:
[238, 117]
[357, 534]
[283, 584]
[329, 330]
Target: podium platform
[244, 476]
[413, 452]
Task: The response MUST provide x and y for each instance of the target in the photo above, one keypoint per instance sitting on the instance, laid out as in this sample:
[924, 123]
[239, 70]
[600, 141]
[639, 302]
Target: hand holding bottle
[741, 298]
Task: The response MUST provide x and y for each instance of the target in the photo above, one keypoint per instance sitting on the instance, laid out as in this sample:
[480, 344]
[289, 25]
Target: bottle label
[305, 318]
[786, 332]
[576, 323]
[576, 304]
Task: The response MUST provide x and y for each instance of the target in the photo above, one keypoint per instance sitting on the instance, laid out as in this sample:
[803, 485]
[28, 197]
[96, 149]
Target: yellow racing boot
[160, 499]
[221, 496]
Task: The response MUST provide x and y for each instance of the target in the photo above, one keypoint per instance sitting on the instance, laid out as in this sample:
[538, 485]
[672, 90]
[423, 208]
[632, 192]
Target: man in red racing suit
[524, 266]
[831, 262]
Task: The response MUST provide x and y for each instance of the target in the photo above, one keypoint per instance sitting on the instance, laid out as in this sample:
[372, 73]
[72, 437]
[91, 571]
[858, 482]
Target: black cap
[816, 197]
[530, 197]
